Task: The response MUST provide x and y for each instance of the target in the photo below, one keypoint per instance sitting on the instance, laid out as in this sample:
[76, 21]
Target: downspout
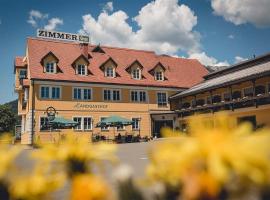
[33, 104]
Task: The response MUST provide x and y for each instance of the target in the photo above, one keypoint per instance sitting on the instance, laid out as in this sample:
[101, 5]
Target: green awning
[114, 120]
[63, 122]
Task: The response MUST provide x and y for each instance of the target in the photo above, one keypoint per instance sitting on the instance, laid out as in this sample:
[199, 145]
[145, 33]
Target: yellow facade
[97, 107]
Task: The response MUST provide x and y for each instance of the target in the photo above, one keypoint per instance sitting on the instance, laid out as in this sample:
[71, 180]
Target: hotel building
[87, 83]
[242, 90]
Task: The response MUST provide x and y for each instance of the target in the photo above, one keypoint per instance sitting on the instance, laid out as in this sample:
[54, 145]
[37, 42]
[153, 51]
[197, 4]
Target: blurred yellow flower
[76, 153]
[37, 185]
[213, 154]
[89, 187]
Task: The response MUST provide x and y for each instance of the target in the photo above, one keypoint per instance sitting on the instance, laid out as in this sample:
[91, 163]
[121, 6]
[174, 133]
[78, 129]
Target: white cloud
[239, 12]
[35, 16]
[164, 26]
[238, 59]
[53, 23]
[207, 60]
[231, 36]
[108, 7]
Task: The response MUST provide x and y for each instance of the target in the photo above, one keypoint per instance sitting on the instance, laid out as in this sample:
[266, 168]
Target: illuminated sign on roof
[62, 36]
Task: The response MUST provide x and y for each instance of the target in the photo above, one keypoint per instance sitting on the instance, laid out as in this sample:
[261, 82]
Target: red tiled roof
[180, 72]
[19, 61]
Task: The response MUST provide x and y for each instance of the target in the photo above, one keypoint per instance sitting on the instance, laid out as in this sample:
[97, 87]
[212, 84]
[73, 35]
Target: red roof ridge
[127, 49]
[92, 45]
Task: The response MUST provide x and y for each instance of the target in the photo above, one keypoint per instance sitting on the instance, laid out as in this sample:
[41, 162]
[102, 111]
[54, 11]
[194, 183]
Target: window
[259, 90]
[236, 95]
[135, 123]
[216, 99]
[109, 72]
[45, 92]
[79, 121]
[50, 67]
[248, 92]
[82, 93]
[159, 75]
[87, 123]
[138, 96]
[55, 93]
[22, 73]
[162, 99]
[136, 73]
[104, 128]
[200, 102]
[50, 92]
[81, 69]
[227, 96]
[84, 123]
[43, 123]
[111, 95]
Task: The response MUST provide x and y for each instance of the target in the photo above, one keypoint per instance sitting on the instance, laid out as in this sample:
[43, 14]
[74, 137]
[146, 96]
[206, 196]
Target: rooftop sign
[63, 36]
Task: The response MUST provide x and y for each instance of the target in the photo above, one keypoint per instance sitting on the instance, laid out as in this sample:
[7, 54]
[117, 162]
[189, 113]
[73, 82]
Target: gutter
[33, 104]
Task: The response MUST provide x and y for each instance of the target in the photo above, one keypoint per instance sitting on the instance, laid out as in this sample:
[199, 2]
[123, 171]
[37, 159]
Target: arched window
[260, 89]
[200, 102]
[216, 99]
[237, 95]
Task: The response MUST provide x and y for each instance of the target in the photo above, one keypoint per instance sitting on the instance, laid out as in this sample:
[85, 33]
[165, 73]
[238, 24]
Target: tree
[7, 118]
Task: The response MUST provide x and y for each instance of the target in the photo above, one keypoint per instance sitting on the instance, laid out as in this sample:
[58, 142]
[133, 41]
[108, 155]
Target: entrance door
[158, 125]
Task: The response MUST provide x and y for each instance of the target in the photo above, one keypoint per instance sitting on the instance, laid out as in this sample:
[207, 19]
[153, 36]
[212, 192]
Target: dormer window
[159, 76]
[81, 69]
[50, 67]
[136, 73]
[49, 63]
[109, 71]
[158, 72]
[80, 65]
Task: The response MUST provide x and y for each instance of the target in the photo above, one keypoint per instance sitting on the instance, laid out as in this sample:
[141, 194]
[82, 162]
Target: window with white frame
[81, 69]
[104, 128]
[111, 95]
[138, 96]
[50, 67]
[109, 72]
[135, 123]
[162, 98]
[45, 92]
[82, 93]
[159, 76]
[43, 123]
[50, 92]
[136, 73]
[84, 123]
[55, 92]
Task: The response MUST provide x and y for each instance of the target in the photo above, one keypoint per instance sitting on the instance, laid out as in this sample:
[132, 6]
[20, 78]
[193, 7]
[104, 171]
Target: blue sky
[214, 31]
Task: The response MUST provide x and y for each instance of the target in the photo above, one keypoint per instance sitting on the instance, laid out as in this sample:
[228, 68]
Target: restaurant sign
[62, 36]
[90, 106]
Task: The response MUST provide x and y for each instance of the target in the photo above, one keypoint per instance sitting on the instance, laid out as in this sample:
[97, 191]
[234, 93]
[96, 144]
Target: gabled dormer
[98, 49]
[80, 65]
[109, 68]
[135, 70]
[158, 71]
[49, 63]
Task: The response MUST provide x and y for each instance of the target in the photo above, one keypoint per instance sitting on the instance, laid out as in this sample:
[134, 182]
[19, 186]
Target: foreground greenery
[8, 118]
[210, 163]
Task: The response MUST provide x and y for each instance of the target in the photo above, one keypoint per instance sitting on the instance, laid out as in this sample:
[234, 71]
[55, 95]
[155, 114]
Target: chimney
[84, 49]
